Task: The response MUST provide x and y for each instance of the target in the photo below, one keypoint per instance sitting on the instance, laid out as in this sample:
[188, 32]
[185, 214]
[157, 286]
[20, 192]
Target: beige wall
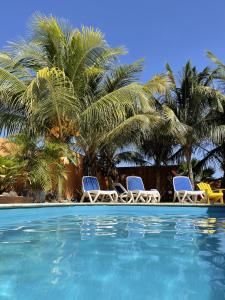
[74, 178]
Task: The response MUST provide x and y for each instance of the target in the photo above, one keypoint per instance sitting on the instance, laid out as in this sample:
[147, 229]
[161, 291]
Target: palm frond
[170, 74]
[159, 84]
[178, 128]
[121, 76]
[215, 59]
[29, 54]
[131, 157]
[132, 129]
[212, 155]
[50, 97]
[112, 108]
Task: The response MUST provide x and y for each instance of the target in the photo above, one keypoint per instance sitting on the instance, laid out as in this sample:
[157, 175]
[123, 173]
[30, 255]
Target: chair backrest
[135, 183]
[90, 183]
[205, 187]
[182, 183]
[120, 188]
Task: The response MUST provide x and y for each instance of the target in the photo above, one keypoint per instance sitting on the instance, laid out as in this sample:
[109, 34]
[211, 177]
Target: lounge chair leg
[121, 199]
[89, 197]
[174, 197]
[136, 198]
[131, 196]
[154, 199]
[116, 197]
[82, 198]
[203, 197]
[149, 199]
[189, 198]
[195, 198]
[111, 198]
[125, 200]
[184, 197]
[142, 199]
[95, 198]
[159, 198]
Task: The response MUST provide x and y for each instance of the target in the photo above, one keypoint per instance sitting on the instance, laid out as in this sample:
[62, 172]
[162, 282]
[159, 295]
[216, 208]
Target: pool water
[109, 253]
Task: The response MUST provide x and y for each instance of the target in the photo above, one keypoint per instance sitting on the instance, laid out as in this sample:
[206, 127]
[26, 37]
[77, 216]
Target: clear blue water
[109, 253]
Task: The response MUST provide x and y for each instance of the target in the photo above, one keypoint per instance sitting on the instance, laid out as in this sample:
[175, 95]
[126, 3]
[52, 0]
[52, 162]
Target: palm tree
[158, 145]
[79, 94]
[216, 154]
[47, 106]
[9, 173]
[190, 104]
[36, 163]
[201, 173]
[111, 156]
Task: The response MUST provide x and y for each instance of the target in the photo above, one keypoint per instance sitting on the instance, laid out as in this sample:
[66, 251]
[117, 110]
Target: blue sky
[160, 31]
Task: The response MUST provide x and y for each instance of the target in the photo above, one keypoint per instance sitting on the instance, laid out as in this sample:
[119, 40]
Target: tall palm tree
[82, 57]
[216, 154]
[111, 156]
[158, 145]
[78, 95]
[190, 104]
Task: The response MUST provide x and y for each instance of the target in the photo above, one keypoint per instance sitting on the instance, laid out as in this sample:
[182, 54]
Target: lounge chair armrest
[218, 190]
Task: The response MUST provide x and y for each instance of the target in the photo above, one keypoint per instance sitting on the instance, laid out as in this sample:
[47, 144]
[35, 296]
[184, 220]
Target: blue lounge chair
[183, 190]
[92, 191]
[136, 187]
[123, 194]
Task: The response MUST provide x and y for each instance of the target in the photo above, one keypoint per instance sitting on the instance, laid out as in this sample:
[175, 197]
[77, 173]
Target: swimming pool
[112, 252]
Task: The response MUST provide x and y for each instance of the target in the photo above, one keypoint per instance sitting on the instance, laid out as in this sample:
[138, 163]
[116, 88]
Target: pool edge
[165, 204]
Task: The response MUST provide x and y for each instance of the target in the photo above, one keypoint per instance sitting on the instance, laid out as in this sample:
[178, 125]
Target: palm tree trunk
[112, 175]
[157, 176]
[60, 189]
[188, 156]
[89, 165]
[85, 165]
[223, 166]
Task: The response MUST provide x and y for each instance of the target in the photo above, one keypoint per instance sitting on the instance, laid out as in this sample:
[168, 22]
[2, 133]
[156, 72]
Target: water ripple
[114, 257]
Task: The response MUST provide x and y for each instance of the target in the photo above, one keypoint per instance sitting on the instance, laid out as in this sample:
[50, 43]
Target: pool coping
[166, 204]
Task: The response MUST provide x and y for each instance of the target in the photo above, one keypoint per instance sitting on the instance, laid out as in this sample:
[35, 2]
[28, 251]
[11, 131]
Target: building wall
[72, 187]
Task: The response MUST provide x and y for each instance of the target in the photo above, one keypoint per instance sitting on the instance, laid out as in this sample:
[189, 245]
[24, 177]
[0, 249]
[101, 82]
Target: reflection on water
[114, 257]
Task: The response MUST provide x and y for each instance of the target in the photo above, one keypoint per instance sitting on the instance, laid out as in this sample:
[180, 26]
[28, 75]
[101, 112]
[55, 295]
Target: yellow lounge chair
[212, 195]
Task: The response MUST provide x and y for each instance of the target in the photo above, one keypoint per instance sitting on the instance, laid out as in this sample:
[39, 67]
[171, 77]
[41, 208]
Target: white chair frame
[145, 196]
[95, 195]
[183, 195]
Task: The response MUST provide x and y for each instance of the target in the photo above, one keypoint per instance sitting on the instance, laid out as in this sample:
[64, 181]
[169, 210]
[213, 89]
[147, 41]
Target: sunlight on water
[114, 257]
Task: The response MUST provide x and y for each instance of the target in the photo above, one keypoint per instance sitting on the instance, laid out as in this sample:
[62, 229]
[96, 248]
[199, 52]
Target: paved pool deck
[46, 204]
